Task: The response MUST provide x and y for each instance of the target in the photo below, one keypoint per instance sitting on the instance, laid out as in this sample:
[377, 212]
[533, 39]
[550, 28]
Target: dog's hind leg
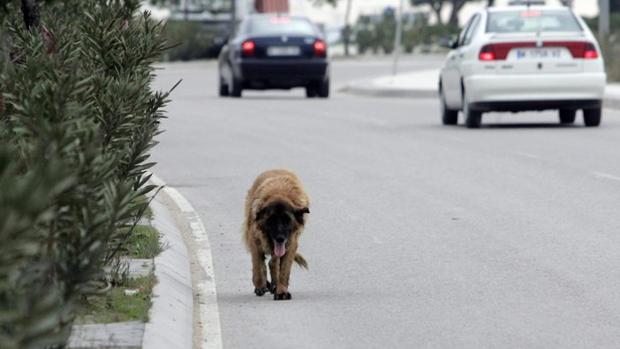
[259, 273]
[286, 264]
[274, 270]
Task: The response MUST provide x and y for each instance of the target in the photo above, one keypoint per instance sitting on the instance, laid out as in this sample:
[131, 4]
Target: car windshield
[279, 25]
[532, 21]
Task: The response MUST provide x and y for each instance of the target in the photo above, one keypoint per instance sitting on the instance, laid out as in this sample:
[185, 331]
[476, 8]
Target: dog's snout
[280, 239]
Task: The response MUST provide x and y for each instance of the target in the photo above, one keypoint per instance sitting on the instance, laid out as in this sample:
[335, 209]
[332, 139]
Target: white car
[520, 58]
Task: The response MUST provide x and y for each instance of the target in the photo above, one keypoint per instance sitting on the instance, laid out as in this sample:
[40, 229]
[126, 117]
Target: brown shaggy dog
[274, 219]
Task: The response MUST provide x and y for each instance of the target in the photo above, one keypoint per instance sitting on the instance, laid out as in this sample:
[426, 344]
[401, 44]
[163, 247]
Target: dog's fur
[275, 209]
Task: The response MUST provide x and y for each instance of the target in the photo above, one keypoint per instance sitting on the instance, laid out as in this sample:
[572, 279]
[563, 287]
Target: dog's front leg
[274, 270]
[286, 263]
[259, 273]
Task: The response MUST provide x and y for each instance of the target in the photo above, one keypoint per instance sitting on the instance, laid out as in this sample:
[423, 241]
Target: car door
[226, 59]
[450, 76]
[467, 56]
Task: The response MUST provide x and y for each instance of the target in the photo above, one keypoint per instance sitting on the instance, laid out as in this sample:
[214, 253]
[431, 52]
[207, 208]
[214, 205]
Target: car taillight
[248, 48]
[487, 53]
[320, 48]
[590, 52]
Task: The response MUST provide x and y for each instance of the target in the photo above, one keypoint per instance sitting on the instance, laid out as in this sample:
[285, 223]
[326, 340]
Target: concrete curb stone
[170, 322]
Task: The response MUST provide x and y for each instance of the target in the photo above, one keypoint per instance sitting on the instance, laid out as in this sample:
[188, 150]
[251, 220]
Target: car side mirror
[448, 42]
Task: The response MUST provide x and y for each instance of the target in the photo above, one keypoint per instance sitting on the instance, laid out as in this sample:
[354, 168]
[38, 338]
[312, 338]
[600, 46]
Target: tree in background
[438, 5]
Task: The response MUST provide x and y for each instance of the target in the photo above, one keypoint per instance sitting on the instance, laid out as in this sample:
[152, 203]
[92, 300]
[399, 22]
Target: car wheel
[235, 88]
[223, 88]
[473, 118]
[592, 117]
[567, 116]
[448, 116]
[323, 89]
[311, 91]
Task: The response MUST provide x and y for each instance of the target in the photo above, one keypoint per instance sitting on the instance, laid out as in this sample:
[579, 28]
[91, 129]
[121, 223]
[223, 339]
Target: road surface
[420, 235]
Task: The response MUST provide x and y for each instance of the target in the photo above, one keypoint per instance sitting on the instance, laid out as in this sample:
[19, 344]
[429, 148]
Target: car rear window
[280, 25]
[532, 21]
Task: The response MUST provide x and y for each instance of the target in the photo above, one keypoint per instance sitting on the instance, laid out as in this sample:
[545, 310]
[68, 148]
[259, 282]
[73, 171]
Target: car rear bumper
[516, 106]
[282, 73]
[537, 92]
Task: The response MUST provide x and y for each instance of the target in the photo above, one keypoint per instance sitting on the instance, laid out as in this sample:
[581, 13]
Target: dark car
[274, 51]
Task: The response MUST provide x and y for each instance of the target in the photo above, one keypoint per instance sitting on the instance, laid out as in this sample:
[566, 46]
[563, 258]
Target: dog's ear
[299, 214]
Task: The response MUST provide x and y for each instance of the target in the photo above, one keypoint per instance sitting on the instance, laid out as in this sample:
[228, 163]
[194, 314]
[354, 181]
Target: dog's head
[278, 221]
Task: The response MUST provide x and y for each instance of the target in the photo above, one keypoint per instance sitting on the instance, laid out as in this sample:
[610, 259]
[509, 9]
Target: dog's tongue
[279, 249]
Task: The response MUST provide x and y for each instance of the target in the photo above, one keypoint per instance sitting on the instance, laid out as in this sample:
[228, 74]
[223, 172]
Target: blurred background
[200, 28]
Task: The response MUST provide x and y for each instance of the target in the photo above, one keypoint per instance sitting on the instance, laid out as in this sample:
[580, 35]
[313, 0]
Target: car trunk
[539, 53]
[284, 47]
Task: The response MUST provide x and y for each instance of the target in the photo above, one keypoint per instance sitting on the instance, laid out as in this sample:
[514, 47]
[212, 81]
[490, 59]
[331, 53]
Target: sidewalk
[423, 84]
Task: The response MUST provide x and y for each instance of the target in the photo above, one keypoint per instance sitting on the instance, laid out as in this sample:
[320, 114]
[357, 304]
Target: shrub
[80, 115]
[189, 40]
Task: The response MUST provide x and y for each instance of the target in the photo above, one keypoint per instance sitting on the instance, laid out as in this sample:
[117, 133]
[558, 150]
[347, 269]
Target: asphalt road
[420, 235]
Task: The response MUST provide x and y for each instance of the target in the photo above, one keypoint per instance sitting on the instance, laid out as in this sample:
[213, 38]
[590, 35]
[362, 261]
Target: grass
[116, 306]
[143, 243]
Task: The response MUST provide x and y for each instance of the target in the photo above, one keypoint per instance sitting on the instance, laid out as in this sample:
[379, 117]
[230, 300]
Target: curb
[159, 332]
[170, 322]
[612, 103]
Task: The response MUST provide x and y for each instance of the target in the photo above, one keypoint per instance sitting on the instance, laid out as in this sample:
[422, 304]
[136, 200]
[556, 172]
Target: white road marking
[207, 292]
[606, 176]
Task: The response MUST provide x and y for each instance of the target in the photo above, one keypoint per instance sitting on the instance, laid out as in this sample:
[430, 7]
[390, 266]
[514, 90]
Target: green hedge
[189, 41]
[77, 121]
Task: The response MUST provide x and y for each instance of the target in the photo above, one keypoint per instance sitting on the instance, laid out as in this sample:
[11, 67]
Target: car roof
[525, 8]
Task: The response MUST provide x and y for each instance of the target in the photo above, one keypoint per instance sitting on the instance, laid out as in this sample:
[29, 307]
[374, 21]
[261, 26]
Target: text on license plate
[539, 53]
[283, 51]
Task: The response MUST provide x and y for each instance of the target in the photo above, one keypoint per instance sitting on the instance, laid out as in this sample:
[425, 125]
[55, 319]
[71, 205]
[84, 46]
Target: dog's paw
[282, 296]
[271, 287]
[261, 291]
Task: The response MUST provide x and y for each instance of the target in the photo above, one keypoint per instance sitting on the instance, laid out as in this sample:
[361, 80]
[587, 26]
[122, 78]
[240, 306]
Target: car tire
[223, 88]
[323, 89]
[567, 116]
[448, 116]
[592, 117]
[235, 88]
[473, 118]
[311, 91]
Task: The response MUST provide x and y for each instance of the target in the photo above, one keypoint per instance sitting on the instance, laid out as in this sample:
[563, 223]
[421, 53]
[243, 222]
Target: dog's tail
[301, 261]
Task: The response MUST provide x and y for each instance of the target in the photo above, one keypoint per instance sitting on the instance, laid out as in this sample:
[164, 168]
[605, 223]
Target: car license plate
[283, 51]
[539, 53]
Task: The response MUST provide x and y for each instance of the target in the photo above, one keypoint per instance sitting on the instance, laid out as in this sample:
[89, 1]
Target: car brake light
[320, 48]
[590, 52]
[531, 13]
[487, 53]
[279, 20]
[248, 48]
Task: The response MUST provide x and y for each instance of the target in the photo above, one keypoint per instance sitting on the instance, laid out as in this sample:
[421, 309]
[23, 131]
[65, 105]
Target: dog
[275, 215]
